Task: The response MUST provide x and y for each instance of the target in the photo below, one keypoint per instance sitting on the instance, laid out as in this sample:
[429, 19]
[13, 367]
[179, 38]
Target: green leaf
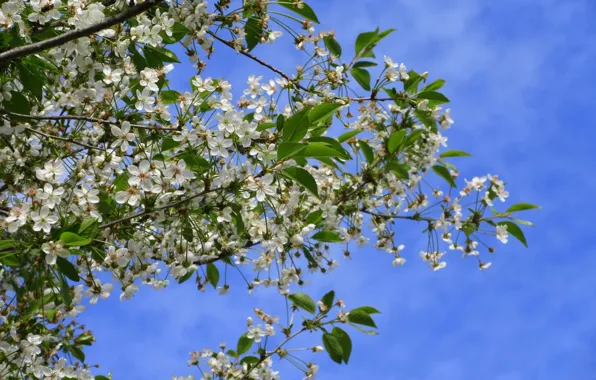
[348, 135]
[436, 85]
[77, 353]
[345, 342]
[443, 172]
[362, 77]
[395, 140]
[320, 149]
[322, 112]
[331, 143]
[254, 31]
[212, 274]
[436, 97]
[31, 79]
[186, 277]
[304, 178]
[265, 126]
[426, 118]
[18, 103]
[364, 64]
[515, 231]
[160, 53]
[361, 318]
[333, 347]
[303, 10]
[332, 45]
[365, 41]
[411, 85]
[328, 300]
[455, 153]
[327, 237]
[249, 360]
[400, 169]
[73, 240]
[296, 126]
[522, 207]
[367, 151]
[315, 217]
[169, 143]
[89, 228]
[303, 301]
[65, 291]
[244, 344]
[179, 31]
[169, 96]
[367, 310]
[289, 149]
[66, 268]
[101, 377]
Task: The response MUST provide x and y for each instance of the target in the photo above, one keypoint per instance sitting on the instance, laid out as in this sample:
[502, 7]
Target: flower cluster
[105, 168]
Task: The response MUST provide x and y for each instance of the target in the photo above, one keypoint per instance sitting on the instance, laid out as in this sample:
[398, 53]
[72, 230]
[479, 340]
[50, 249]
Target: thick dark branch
[83, 118]
[26, 50]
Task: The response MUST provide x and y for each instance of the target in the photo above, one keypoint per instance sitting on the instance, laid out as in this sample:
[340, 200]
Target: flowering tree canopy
[105, 167]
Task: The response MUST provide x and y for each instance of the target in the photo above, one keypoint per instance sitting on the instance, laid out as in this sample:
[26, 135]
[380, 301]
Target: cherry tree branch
[23, 51]
[83, 118]
[286, 76]
[64, 139]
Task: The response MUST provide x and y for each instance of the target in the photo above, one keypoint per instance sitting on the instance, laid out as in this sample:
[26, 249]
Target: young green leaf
[296, 126]
[244, 344]
[367, 310]
[365, 41]
[254, 30]
[443, 172]
[73, 240]
[367, 151]
[348, 135]
[328, 300]
[362, 76]
[454, 153]
[303, 10]
[514, 230]
[289, 149]
[304, 178]
[322, 112]
[522, 207]
[89, 228]
[436, 97]
[395, 140]
[169, 96]
[65, 291]
[332, 45]
[65, 267]
[303, 301]
[327, 237]
[361, 318]
[345, 342]
[212, 274]
[333, 347]
[364, 64]
[434, 86]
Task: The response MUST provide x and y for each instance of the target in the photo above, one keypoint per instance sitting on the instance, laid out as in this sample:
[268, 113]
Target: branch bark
[23, 51]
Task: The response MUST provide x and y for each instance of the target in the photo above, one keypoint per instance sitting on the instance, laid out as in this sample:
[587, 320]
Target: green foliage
[303, 301]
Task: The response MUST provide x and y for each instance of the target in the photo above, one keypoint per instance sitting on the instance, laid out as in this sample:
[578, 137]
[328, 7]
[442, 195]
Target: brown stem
[83, 118]
[64, 139]
[26, 50]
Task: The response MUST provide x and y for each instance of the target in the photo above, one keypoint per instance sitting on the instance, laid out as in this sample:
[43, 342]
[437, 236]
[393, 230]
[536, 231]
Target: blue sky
[521, 77]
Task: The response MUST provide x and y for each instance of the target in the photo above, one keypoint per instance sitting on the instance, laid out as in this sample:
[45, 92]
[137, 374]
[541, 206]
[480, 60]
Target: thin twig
[286, 76]
[64, 139]
[26, 50]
